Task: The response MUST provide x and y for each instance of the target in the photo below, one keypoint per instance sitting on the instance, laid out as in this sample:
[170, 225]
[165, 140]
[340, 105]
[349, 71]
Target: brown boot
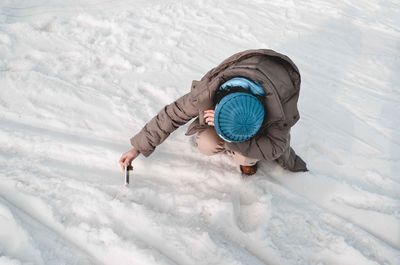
[248, 170]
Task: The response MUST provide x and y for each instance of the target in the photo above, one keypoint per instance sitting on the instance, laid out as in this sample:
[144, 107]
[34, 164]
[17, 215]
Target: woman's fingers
[122, 160]
[125, 160]
[209, 117]
[122, 163]
[210, 121]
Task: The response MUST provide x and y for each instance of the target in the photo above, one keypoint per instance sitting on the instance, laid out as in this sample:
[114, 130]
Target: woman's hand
[209, 117]
[127, 158]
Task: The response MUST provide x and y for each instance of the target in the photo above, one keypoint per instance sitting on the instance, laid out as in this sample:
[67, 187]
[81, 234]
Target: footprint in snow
[251, 209]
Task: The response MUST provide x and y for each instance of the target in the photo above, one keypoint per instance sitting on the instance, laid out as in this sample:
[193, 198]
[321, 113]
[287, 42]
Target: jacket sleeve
[268, 146]
[164, 123]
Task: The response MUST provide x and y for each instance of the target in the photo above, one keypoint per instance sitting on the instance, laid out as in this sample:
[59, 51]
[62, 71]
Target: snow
[78, 79]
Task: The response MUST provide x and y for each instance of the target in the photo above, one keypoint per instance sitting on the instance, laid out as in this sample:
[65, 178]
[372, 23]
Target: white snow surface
[79, 78]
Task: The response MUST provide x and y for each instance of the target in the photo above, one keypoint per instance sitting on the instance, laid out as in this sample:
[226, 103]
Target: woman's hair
[219, 94]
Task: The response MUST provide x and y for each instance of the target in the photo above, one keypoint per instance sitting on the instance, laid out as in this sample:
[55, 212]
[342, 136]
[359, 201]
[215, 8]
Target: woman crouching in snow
[244, 107]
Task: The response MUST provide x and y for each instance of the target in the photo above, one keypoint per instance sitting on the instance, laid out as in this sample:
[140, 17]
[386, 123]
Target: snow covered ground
[79, 78]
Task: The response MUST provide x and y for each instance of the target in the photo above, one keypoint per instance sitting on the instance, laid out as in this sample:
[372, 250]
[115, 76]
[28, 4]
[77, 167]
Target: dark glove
[299, 165]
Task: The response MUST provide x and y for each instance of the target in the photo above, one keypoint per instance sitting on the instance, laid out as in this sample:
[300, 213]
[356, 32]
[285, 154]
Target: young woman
[244, 107]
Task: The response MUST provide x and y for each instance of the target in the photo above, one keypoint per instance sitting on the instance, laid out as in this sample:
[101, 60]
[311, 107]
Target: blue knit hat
[238, 116]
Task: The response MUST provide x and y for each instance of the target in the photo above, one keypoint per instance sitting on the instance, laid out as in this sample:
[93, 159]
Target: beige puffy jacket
[280, 79]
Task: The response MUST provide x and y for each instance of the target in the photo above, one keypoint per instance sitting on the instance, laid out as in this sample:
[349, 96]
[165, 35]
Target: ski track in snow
[77, 80]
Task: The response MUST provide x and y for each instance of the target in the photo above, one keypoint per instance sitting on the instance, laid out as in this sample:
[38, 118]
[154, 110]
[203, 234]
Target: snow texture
[79, 78]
